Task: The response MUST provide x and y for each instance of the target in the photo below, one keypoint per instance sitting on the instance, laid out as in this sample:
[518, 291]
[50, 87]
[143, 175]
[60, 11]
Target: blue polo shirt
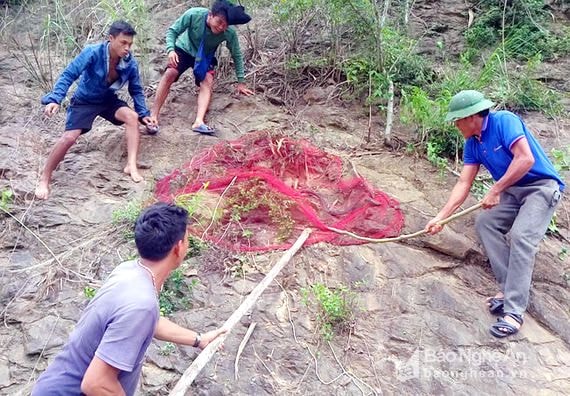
[493, 150]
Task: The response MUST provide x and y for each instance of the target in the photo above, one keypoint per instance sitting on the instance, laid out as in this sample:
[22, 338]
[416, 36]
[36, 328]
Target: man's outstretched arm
[233, 45]
[167, 330]
[458, 195]
[68, 76]
[137, 93]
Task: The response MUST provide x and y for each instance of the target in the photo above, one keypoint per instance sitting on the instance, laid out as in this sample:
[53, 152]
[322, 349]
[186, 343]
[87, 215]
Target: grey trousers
[510, 233]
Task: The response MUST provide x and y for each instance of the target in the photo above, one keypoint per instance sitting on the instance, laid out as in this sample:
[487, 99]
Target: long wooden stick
[204, 357]
[407, 236]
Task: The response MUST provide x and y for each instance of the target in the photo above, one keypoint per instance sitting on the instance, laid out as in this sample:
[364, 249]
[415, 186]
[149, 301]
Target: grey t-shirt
[117, 326]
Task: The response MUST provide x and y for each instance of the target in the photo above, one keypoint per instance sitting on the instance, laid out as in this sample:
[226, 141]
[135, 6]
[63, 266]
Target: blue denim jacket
[92, 64]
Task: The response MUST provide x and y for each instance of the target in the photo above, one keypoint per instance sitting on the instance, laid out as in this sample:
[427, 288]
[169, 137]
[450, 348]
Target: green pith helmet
[467, 103]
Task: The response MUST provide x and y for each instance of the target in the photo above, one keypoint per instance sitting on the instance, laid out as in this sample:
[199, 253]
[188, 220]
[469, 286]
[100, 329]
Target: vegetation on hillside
[366, 45]
[362, 47]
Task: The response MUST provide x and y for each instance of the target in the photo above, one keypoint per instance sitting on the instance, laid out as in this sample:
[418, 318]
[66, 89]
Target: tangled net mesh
[258, 193]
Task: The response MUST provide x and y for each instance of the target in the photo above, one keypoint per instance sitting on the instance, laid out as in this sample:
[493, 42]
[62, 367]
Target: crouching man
[104, 68]
[105, 352]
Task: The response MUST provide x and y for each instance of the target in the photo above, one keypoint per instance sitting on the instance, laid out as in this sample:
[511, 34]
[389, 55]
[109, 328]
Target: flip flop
[496, 305]
[503, 329]
[205, 129]
[152, 129]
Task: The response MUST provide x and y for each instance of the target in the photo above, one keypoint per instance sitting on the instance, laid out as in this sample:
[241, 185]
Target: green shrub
[89, 292]
[517, 88]
[513, 88]
[553, 226]
[176, 293]
[6, 198]
[125, 217]
[525, 31]
[167, 349]
[336, 308]
[395, 60]
[479, 189]
[191, 202]
[440, 138]
[561, 158]
[196, 247]
[560, 44]
[481, 36]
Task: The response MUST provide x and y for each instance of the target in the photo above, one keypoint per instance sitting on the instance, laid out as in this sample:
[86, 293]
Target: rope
[407, 236]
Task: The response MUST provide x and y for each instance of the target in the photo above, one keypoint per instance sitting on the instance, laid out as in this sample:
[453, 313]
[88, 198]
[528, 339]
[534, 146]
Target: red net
[259, 192]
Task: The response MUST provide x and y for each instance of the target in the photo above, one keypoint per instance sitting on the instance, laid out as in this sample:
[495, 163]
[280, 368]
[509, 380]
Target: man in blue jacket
[104, 68]
[518, 206]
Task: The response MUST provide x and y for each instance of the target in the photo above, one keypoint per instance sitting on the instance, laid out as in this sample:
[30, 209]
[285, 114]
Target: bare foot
[42, 190]
[135, 175]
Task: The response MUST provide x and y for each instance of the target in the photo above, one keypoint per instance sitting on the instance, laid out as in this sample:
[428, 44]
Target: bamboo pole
[207, 353]
[407, 236]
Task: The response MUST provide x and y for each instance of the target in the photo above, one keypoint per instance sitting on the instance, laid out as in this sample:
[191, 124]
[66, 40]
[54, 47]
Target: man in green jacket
[183, 41]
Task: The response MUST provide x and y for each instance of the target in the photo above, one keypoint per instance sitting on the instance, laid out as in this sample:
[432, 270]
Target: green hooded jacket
[186, 34]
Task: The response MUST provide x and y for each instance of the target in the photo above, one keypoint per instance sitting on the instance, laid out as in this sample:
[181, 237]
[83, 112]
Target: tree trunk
[385, 13]
[389, 115]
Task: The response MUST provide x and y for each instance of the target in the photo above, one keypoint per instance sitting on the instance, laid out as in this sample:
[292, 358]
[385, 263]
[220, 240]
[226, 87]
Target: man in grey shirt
[105, 352]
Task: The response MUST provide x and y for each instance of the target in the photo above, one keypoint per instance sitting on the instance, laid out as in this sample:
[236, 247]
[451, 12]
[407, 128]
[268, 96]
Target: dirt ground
[422, 326]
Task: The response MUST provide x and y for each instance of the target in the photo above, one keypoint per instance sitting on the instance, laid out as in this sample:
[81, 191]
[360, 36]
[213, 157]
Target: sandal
[496, 305]
[152, 129]
[204, 129]
[503, 329]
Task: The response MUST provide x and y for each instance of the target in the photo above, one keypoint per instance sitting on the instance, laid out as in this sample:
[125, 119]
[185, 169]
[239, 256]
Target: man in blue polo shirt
[521, 202]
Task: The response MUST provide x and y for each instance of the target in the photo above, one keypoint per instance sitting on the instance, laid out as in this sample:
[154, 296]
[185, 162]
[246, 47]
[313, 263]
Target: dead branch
[242, 346]
[352, 377]
[34, 234]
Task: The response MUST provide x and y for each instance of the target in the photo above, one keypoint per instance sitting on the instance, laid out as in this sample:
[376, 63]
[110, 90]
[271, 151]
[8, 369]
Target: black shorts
[80, 115]
[186, 61]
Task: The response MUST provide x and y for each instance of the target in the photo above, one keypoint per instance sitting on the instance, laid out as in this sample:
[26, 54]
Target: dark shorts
[80, 115]
[186, 61]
